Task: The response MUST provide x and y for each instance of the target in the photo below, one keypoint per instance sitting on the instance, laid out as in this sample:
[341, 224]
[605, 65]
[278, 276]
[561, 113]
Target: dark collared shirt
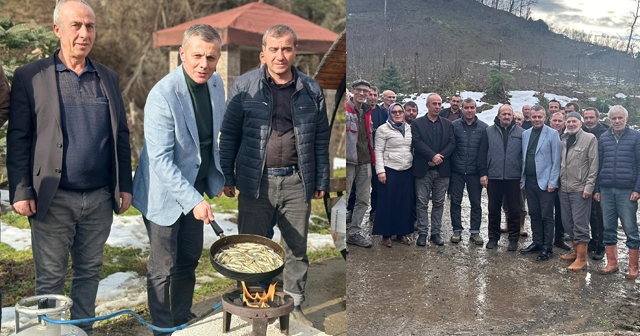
[86, 129]
[281, 149]
[530, 164]
[201, 101]
[435, 130]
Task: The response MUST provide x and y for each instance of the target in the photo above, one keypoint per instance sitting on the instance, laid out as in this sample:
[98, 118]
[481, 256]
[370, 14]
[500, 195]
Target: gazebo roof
[245, 25]
[333, 67]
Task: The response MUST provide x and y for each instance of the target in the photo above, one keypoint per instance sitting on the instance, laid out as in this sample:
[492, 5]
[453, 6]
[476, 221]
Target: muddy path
[465, 289]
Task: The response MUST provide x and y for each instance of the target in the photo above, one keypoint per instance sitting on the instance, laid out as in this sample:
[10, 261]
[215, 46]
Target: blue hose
[118, 313]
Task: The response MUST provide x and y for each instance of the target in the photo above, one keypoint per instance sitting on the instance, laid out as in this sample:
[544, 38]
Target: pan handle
[217, 229]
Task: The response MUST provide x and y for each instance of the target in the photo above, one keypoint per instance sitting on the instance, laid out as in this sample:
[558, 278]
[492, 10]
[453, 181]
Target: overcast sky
[611, 17]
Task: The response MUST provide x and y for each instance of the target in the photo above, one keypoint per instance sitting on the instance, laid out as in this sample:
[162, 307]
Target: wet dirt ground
[465, 289]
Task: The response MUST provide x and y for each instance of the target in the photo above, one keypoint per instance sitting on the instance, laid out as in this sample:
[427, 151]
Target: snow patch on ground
[518, 99]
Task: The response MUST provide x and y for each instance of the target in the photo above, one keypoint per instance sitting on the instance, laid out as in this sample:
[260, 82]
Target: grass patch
[17, 274]
[131, 212]
[224, 203]
[342, 172]
[319, 225]
[15, 220]
[326, 253]
[118, 259]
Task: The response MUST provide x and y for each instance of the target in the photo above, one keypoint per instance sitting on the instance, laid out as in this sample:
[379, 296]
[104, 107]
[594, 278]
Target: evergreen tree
[392, 79]
[24, 43]
[501, 84]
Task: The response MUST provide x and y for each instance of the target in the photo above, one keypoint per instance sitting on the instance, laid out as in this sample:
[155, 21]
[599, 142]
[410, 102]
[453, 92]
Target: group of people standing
[69, 160]
[578, 176]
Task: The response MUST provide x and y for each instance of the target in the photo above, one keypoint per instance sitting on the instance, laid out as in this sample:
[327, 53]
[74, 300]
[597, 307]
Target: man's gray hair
[278, 31]
[538, 108]
[618, 108]
[56, 10]
[431, 95]
[204, 31]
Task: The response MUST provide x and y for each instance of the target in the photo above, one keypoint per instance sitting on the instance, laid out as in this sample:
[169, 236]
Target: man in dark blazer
[433, 143]
[68, 158]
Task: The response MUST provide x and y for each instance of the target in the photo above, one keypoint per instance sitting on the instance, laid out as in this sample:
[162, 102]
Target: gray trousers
[76, 223]
[576, 212]
[361, 174]
[284, 196]
[174, 252]
[434, 186]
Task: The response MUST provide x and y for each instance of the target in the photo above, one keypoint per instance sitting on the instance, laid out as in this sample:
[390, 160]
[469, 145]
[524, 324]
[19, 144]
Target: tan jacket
[579, 169]
[392, 149]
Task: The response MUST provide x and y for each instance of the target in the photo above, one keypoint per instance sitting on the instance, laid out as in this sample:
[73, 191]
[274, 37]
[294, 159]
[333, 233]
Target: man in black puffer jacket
[274, 147]
[465, 171]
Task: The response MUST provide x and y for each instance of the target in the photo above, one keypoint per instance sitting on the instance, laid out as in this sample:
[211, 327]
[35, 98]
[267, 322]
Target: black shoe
[422, 240]
[544, 256]
[476, 239]
[182, 321]
[436, 239]
[492, 243]
[598, 254]
[358, 240]
[561, 245]
[533, 248]
[457, 236]
[513, 245]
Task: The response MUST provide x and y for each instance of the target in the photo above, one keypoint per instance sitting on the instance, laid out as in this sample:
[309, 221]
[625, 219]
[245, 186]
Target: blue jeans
[76, 224]
[616, 204]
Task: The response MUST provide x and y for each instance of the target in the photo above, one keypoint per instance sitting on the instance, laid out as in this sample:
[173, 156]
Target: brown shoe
[612, 260]
[404, 240]
[633, 264]
[570, 256]
[523, 231]
[580, 263]
[387, 242]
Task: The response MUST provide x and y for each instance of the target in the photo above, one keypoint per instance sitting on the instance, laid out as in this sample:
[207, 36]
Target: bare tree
[632, 28]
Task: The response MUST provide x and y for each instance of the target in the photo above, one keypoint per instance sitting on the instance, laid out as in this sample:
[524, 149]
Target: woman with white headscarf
[396, 204]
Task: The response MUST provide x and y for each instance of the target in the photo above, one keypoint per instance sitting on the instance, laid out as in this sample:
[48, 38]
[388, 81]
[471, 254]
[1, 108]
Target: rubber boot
[633, 264]
[571, 256]
[612, 259]
[580, 263]
[523, 231]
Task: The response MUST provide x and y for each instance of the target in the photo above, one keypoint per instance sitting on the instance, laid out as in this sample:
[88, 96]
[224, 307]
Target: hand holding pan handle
[217, 229]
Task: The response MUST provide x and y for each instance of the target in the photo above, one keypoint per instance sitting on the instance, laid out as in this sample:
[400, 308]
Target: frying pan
[225, 241]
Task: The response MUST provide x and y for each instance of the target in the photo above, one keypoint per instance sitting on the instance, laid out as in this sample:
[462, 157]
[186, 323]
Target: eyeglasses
[361, 90]
[397, 112]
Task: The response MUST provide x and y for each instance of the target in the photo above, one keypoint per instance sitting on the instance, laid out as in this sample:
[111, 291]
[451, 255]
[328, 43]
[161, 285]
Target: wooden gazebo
[241, 29]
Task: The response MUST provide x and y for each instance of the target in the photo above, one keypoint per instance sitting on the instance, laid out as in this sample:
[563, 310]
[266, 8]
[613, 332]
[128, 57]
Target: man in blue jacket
[541, 153]
[274, 147]
[618, 188]
[178, 164]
